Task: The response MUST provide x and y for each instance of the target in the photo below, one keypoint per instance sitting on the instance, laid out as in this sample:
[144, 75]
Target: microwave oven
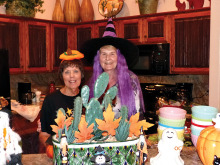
[154, 59]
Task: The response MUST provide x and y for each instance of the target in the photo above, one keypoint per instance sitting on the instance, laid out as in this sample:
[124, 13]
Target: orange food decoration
[49, 151]
[71, 55]
[135, 125]
[84, 132]
[61, 122]
[208, 144]
[108, 124]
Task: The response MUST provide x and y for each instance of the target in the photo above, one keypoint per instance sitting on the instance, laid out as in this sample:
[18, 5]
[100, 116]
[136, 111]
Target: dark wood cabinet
[191, 43]
[35, 45]
[99, 29]
[156, 29]
[11, 39]
[59, 43]
[38, 47]
[83, 33]
[131, 29]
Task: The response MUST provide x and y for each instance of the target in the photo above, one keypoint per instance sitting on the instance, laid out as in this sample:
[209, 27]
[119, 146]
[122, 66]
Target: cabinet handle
[145, 36]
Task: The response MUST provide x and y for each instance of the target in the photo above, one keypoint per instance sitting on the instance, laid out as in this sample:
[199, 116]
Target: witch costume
[129, 93]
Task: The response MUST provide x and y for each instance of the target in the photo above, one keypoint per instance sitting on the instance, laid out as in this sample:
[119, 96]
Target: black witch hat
[127, 48]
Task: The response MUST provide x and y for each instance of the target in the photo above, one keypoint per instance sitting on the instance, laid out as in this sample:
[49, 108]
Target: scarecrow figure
[100, 158]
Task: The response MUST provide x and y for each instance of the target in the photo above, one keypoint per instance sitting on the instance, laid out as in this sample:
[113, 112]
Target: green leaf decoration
[101, 84]
[85, 95]
[112, 92]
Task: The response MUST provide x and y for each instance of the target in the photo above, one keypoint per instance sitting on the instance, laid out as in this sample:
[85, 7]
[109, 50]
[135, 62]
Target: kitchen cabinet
[131, 29]
[59, 43]
[11, 38]
[189, 51]
[99, 29]
[37, 46]
[156, 29]
[83, 33]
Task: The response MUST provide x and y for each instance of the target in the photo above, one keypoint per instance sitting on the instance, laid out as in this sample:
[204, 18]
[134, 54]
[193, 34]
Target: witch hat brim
[127, 48]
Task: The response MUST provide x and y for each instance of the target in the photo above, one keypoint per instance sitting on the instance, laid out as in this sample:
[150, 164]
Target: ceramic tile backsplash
[41, 82]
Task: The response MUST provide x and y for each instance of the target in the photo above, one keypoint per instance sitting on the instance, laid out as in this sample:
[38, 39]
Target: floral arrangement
[24, 7]
[97, 125]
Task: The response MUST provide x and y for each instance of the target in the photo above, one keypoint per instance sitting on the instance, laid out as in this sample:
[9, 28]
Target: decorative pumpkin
[208, 143]
[49, 151]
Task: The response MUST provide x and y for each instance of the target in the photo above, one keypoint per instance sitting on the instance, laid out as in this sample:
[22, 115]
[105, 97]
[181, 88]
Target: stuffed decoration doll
[10, 150]
[142, 152]
[64, 150]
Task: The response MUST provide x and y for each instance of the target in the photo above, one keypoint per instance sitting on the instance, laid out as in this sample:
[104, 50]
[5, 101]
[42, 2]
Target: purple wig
[126, 84]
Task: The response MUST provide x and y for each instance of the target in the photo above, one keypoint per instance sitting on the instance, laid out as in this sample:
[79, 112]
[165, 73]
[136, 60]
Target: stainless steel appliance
[153, 60]
[5, 76]
[154, 93]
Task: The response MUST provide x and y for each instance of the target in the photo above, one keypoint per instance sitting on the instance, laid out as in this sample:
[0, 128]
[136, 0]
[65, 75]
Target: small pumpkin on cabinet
[208, 144]
[49, 151]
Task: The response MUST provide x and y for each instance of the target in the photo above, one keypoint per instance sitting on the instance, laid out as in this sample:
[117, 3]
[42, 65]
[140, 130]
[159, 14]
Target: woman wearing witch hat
[114, 55]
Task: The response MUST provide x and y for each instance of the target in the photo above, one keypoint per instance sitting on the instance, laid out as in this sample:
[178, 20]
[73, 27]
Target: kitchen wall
[130, 8]
[42, 81]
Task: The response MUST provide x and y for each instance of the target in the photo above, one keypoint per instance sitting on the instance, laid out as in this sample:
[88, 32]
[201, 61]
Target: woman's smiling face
[108, 57]
[72, 77]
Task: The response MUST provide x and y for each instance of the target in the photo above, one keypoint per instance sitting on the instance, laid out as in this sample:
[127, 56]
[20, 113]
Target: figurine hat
[127, 48]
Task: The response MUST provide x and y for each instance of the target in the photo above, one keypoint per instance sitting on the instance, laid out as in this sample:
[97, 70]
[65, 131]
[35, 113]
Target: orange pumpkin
[208, 144]
[49, 151]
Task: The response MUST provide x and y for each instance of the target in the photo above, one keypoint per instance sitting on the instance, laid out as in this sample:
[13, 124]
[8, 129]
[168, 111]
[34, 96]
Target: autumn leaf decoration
[135, 125]
[85, 132]
[61, 121]
[108, 124]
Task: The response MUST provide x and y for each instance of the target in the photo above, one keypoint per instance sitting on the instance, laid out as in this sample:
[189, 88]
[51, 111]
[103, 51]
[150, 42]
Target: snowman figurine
[169, 148]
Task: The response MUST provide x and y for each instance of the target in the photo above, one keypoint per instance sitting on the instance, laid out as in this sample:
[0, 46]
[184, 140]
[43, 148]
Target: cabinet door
[156, 29]
[131, 29]
[83, 33]
[99, 29]
[192, 39]
[59, 43]
[11, 39]
[38, 55]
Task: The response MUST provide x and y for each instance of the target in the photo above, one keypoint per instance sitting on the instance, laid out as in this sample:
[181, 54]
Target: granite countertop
[188, 154]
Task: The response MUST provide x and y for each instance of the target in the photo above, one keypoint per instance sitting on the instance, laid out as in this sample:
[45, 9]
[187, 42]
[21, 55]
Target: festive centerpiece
[97, 137]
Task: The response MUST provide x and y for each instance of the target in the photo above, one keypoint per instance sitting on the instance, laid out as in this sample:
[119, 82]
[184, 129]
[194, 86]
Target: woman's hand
[43, 136]
[38, 126]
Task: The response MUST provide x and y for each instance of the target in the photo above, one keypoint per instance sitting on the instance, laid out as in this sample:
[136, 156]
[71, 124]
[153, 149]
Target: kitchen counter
[188, 154]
